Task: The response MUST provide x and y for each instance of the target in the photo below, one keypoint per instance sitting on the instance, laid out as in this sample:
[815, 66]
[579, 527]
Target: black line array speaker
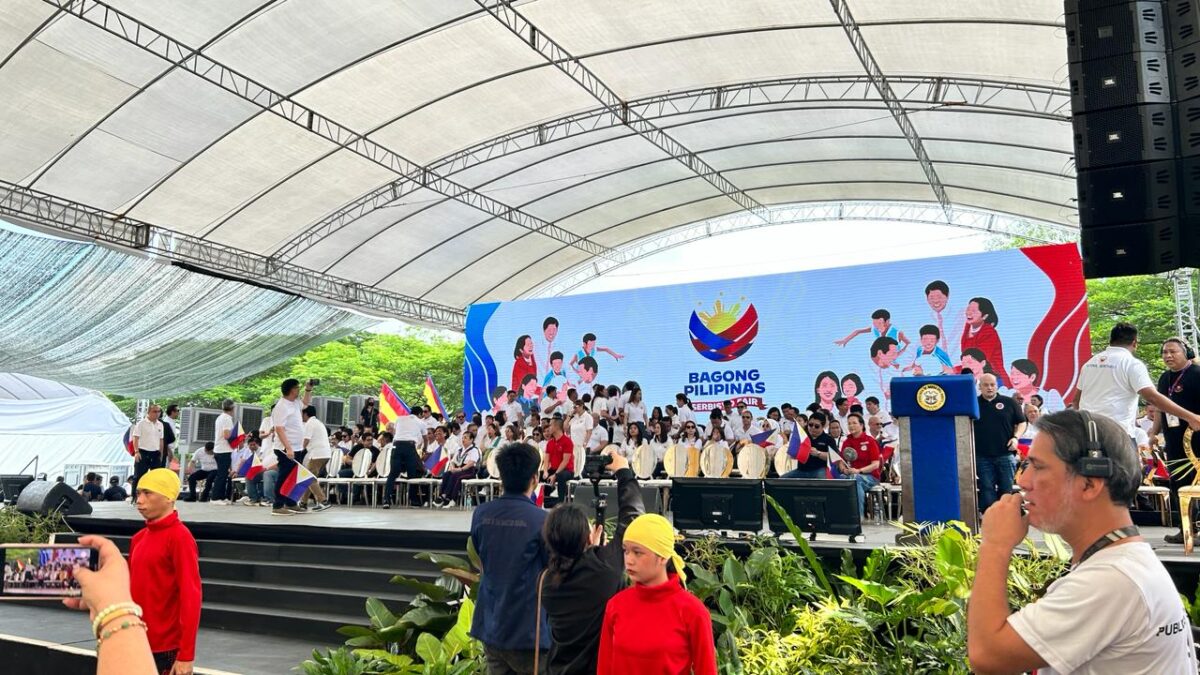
[45, 498]
[1134, 68]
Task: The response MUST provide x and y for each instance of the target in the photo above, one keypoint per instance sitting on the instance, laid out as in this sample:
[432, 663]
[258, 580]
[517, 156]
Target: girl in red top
[861, 459]
[523, 362]
[980, 333]
[655, 627]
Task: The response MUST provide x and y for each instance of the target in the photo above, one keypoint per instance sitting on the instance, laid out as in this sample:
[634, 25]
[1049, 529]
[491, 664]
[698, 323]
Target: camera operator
[1117, 610]
[583, 572]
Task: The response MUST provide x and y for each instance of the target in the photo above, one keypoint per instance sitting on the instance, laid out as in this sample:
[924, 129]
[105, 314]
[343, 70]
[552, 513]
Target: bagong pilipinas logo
[723, 334]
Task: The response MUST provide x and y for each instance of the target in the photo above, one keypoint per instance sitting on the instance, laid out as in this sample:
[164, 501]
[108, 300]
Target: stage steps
[296, 590]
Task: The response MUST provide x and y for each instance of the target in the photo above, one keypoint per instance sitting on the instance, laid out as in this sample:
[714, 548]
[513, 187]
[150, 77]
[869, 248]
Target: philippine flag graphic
[724, 333]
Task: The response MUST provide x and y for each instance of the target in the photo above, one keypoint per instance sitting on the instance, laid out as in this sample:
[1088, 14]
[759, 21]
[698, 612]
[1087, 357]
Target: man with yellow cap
[655, 625]
[164, 574]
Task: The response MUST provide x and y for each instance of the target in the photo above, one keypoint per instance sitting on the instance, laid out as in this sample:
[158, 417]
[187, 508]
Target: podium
[937, 447]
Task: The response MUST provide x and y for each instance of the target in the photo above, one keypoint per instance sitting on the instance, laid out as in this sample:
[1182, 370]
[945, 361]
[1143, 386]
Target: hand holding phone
[44, 571]
[106, 583]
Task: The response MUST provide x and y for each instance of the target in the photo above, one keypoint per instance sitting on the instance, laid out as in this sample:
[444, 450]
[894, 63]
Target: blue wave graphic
[479, 372]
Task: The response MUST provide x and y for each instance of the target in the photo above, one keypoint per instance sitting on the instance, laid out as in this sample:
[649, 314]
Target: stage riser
[321, 631]
[221, 591]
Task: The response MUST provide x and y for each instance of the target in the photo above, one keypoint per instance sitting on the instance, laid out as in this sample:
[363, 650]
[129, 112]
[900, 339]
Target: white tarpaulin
[59, 424]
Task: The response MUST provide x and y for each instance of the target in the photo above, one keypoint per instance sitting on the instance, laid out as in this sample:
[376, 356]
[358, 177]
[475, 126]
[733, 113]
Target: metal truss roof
[411, 158]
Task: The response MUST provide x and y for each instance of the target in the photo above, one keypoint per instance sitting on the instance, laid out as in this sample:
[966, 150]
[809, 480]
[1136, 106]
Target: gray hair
[1070, 435]
[227, 404]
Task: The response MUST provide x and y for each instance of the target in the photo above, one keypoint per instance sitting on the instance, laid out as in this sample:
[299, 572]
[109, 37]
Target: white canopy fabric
[59, 424]
[302, 129]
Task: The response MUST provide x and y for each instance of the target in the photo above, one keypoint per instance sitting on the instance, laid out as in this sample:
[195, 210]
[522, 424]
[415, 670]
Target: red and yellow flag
[391, 406]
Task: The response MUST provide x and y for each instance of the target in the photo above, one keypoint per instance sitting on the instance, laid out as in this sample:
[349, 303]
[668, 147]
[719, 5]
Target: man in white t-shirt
[1111, 381]
[317, 452]
[288, 421]
[222, 487]
[149, 448]
[1117, 610]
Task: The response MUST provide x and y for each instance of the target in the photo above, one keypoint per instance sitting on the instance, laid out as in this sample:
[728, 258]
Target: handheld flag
[391, 406]
[538, 495]
[297, 482]
[831, 468]
[431, 397]
[436, 462]
[799, 448]
[1023, 446]
[236, 435]
[251, 467]
[763, 439]
[128, 442]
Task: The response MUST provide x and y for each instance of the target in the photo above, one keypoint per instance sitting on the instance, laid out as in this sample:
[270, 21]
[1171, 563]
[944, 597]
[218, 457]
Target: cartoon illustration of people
[589, 350]
[825, 389]
[930, 358]
[544, 348]
[499, 398]
[881, 327]
[852, 386]
[588, 369]
[527, 395]
[974, 361]
[949, 321]
[884, 355]
[1024, 376]
[979, 332]
[556, 375]
[523, 361]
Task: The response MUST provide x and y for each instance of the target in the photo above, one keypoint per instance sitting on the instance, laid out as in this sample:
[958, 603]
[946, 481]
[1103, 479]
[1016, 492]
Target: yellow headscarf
[655, 533]
[163, 481]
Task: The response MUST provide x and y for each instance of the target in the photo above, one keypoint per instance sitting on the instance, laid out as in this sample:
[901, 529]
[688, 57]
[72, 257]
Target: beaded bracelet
[136, 623]
[112, 610]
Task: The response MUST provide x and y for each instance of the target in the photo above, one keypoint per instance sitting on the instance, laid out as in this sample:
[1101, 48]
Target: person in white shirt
[874, 410]
[287, 419]
[555, 401]
[1111, 382]
[171, 419]
[633, 440]
[949, 321]
[684, 405]
[317, 453]
[635, 411]
[462, 466]
[1146, 421]
[598, 436]
[149, 448]
[580, 426]
[1117, 610]
[222, 487]
[745, 426]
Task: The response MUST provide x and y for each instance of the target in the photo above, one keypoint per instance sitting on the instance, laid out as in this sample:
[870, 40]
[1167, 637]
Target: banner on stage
[798, 337]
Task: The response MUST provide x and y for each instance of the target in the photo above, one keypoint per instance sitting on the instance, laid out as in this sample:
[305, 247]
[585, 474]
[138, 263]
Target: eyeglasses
[747, 417]
[815, 424]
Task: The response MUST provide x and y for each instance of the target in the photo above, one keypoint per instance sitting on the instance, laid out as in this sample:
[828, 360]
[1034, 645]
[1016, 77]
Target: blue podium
[937, 447]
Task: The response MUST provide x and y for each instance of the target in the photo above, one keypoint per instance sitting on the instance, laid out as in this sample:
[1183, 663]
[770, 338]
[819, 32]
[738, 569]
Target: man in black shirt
[91, 489]
[822, 444]
[999, 425]
[115, 493]
[1180, 382]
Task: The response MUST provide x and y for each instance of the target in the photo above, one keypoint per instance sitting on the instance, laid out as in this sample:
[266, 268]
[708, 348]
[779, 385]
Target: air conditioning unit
[197, 425]
[330, 410]
[250, 417]
[357, 403]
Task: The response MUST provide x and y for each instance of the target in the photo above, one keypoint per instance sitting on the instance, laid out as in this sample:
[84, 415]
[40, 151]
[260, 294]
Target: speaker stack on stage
[45, 498]
[1135, 100]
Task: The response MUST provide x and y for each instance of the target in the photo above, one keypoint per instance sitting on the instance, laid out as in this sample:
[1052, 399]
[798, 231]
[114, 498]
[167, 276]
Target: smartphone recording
[43, 572]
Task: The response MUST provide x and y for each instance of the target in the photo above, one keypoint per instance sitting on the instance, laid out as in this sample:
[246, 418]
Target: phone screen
[43, 571]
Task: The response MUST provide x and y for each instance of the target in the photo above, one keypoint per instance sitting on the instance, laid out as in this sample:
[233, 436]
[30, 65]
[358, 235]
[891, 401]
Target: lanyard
[1109, 538]
[1174, 384]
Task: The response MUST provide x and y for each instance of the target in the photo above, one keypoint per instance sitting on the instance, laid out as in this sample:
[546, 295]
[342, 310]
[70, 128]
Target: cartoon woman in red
[825, 389]
[980, 333]
[524, 363]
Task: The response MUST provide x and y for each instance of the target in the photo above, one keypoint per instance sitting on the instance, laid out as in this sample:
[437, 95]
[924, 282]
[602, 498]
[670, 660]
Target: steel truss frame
[842, 10]
[572, 67]
[46, 211]
[1020, 99]
[902, 212]
[1185, 306]
[415, 175]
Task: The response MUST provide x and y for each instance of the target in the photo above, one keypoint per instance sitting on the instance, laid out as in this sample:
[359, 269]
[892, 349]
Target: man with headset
[1116, 610]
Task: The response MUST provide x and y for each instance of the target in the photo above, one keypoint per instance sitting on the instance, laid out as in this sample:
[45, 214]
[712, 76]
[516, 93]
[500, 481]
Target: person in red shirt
[861, 459]
[560, 459]
[980, 333]
[523, 362]
[655, 627]
[164, 573]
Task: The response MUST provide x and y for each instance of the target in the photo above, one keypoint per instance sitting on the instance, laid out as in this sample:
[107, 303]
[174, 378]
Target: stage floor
[457, 523]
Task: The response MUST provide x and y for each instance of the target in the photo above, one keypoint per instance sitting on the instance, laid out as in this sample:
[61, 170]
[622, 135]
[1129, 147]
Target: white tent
[58, 424]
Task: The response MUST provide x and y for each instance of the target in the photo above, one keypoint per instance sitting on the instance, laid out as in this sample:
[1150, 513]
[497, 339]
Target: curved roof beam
[1021, 99]
[901, 212]
[148, 38]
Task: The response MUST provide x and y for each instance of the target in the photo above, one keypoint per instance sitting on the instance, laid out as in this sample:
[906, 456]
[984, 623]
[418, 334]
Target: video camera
[595, 469]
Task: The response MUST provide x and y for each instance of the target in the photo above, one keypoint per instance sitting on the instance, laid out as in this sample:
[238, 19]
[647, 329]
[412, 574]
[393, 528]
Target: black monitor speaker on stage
[815, 505]
[45, 498]
[11, 486]
[717, 504]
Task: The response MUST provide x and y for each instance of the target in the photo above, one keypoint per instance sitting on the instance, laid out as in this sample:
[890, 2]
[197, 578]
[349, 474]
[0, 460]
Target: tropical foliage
[20, 528]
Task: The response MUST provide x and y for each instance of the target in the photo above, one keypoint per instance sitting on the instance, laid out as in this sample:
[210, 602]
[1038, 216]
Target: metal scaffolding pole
[1185, 305]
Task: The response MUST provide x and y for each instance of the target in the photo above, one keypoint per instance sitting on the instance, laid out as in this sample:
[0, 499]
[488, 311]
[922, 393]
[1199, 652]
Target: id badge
[1172, 420]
